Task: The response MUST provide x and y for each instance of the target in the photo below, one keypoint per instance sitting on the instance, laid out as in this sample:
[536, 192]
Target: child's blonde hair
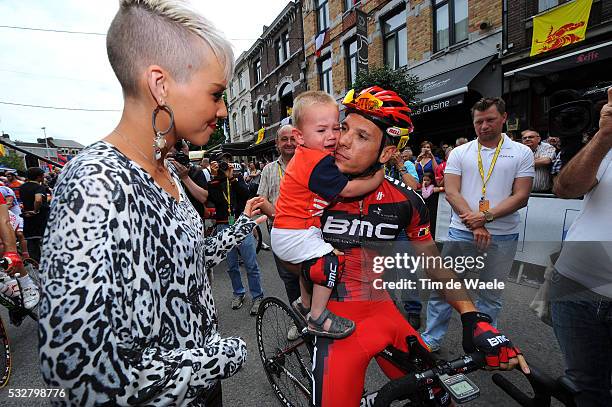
[307, 99]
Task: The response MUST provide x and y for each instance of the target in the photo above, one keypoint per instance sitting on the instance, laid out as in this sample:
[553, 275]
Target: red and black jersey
[391, 213]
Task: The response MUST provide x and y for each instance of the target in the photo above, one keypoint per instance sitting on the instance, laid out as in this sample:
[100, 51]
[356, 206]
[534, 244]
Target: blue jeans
[497, 265]
[583, 326]
[247, 250]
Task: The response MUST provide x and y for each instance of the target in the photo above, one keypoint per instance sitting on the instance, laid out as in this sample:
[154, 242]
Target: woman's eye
[218, 96]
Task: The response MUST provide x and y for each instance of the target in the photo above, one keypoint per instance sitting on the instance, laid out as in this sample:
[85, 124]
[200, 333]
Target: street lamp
[44, 129]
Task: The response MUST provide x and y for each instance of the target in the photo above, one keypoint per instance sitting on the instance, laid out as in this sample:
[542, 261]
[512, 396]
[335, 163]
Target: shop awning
[574, 59]
[236, 148]
[447, 89]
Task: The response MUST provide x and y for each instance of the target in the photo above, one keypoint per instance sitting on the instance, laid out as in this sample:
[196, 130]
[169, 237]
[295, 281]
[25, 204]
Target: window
[350, 4]
[245, 119]
[257, 70]
[286, 100]
[235, 123]
[544, 5]
[261, 114]
[396, 40]
[451, 22]
[325, 74]
[351, 62]
[240, 81]
[282, 48]
[322, 15]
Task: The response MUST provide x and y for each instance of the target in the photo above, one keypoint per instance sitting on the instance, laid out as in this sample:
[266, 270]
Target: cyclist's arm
[458, 298]
[6, 230]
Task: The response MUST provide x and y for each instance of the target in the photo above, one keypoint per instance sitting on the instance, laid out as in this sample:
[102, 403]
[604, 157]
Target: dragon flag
[562, 26]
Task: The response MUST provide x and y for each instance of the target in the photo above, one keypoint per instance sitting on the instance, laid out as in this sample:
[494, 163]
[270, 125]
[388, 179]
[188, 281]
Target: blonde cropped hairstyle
[307, 99]
[164, 33]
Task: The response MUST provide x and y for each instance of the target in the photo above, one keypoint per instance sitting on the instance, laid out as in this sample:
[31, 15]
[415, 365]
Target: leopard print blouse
[126, 314]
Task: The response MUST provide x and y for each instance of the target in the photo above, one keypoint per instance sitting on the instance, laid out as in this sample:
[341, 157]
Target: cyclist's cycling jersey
[364, 229]
[391, 213]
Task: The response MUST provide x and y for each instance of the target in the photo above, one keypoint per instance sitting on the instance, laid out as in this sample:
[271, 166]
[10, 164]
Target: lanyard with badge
[228, 197]
[280, 172]
[483, 204]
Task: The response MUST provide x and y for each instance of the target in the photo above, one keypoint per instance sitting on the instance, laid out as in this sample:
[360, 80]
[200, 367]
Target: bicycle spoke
[5, 357]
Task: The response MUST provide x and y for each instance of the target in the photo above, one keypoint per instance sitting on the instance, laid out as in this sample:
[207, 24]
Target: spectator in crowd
[269, 187]
[408, 159]
[407, 155]
[460, 141]
[486, 181]
[439, 174]
[581, 285]
[397, 168]
[229, 193]
[205, 164]
[554, 141]
[13, 182]
[35, 210]
[544, 155]
[426, 161]
[254, 173]
[192, 178]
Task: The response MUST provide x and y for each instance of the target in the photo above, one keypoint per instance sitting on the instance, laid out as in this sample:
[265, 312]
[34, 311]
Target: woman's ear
[299, 137]
[157, 83]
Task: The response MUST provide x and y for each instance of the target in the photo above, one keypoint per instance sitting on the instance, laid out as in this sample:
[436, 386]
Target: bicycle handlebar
[544, 388]
[409, 384]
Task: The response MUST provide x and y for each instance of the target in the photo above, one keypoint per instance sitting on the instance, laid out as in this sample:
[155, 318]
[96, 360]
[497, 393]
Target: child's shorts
[298, 245]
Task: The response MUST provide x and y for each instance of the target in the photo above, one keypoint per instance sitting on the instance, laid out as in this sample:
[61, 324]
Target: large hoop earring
[159, 142]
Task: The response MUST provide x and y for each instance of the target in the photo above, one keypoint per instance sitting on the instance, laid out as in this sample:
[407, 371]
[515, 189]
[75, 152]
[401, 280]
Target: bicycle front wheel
[5, 357]
[287, 362]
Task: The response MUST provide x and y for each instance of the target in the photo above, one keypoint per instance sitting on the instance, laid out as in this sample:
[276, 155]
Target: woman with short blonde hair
[127, 316]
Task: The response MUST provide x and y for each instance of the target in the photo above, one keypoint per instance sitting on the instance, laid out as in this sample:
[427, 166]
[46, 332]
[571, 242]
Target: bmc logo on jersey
[497, 340]
[358, 227]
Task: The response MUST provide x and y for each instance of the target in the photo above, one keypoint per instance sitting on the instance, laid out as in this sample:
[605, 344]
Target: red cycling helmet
[385, 108]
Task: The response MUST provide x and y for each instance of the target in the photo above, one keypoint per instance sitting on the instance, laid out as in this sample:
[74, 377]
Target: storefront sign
[362, 41]
[438, 105]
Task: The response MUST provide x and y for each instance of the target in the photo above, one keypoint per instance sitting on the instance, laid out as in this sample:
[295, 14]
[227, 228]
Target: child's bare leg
[320, 297]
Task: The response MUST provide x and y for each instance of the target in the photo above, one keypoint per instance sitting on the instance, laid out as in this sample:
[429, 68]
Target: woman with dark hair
[127, 315]
[426, 161]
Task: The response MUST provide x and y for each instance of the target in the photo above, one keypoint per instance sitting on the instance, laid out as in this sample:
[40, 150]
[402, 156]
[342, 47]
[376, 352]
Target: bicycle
[431, 382]
[17, 314]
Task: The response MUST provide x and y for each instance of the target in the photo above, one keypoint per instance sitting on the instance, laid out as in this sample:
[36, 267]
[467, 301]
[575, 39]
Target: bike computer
[460, 387]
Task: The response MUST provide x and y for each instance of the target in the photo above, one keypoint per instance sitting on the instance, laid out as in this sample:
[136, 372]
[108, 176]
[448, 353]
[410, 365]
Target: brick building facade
[529, 82]
[462, 42]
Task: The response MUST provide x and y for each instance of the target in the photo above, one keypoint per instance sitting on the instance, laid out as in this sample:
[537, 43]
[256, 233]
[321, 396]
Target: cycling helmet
[385, 109]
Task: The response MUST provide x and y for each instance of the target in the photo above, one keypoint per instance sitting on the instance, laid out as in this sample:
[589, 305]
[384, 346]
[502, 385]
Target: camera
[574, 114]
[180, 157]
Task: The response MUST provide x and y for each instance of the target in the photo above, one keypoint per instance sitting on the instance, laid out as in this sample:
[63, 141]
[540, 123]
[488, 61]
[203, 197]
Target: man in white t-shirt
[581, 289]
[487, 181]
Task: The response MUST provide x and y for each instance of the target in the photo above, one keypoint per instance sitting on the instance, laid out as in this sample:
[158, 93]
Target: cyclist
[377, 123]
[8, 286]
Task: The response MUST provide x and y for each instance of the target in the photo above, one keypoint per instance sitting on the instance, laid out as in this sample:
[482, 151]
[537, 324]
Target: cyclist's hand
[480, 335]
[252, 209]
[14, 262]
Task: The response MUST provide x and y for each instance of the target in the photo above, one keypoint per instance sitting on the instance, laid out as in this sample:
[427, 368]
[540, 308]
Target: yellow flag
[2, 150]
[260, 135]
[562, 26]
